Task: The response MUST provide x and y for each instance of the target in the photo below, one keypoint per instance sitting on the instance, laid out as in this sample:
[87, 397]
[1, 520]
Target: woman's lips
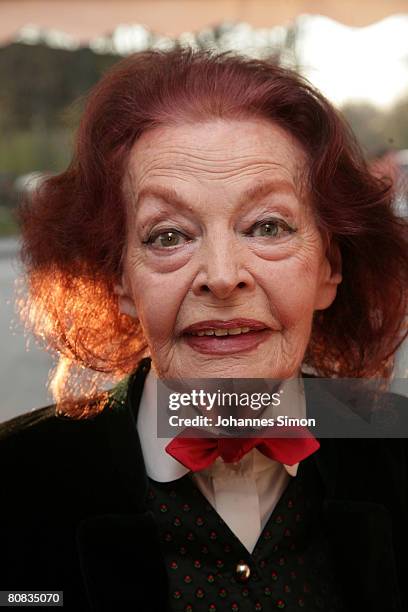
[253, 324]
[226, 345]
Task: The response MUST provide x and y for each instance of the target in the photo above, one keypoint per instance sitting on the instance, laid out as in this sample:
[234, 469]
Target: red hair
[73, 229]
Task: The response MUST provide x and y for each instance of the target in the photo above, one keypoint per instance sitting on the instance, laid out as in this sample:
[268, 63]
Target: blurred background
[52, 53]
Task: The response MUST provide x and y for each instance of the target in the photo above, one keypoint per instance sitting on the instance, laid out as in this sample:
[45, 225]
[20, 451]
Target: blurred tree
[41, 98]
[397, 125]
[378, 129]
[369, 124]
[38, 83]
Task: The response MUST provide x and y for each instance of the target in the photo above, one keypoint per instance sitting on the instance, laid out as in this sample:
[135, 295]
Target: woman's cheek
[158, 302]
[291, 286]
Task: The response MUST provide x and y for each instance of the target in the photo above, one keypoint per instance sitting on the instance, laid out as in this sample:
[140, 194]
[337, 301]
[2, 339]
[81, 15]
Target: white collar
[161, 466]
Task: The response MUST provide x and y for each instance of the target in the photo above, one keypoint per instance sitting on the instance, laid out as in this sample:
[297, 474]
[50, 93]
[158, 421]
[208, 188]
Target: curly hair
[73, 228]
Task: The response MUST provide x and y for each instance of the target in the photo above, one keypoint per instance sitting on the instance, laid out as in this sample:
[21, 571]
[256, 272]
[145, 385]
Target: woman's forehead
[237, 155]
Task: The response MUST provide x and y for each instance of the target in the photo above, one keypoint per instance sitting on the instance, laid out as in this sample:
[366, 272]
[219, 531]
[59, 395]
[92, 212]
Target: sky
[369, 63]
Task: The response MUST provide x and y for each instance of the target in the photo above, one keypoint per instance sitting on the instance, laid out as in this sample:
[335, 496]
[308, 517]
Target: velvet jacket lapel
[120, 554]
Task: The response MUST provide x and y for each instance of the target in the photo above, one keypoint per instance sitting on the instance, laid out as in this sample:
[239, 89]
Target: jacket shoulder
[61, 462]
[40, 422]
[51, 419]
[12, 427]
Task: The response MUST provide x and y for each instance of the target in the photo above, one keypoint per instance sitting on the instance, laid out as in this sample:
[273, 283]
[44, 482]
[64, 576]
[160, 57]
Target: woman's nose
[223, 271]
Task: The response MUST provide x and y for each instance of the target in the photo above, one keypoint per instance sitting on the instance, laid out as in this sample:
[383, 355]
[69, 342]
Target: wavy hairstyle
[73, 228]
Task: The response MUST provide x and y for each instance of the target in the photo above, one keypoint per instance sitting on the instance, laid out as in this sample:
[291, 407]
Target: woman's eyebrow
[254, 192]
[264, 188]
[167, 194]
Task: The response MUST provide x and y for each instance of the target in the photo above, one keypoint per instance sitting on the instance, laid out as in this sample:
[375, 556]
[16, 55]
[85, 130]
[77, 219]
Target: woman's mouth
[234, 331]
[225, 337]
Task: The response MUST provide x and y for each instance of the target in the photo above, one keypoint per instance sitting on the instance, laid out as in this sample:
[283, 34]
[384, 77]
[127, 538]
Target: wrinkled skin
[218, 264]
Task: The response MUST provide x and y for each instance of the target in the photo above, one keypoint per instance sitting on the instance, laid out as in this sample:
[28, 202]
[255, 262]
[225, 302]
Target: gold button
[242, 571]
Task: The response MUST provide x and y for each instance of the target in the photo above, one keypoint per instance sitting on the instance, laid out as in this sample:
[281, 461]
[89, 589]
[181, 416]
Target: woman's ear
[331, 276]
[125, 301]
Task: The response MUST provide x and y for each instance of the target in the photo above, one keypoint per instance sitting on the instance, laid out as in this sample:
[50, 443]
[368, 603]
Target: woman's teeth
[233, 331]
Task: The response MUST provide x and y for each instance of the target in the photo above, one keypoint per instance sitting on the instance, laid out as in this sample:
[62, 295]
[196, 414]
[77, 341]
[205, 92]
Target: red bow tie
[198, 453]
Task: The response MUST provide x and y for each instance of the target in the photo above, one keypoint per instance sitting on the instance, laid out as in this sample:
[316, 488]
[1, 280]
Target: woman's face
[221, 236]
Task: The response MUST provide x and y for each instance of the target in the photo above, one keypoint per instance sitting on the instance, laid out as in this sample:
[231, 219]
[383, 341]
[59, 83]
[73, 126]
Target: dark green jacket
[73, 515]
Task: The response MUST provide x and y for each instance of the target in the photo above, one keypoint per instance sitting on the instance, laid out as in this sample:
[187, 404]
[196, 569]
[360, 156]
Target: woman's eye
[168, 238]
[271, 228]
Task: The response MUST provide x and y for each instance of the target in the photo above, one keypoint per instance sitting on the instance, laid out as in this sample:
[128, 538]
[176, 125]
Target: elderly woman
[217, 221]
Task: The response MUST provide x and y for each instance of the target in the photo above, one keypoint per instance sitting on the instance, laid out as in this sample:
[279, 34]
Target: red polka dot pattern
[290, 568]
